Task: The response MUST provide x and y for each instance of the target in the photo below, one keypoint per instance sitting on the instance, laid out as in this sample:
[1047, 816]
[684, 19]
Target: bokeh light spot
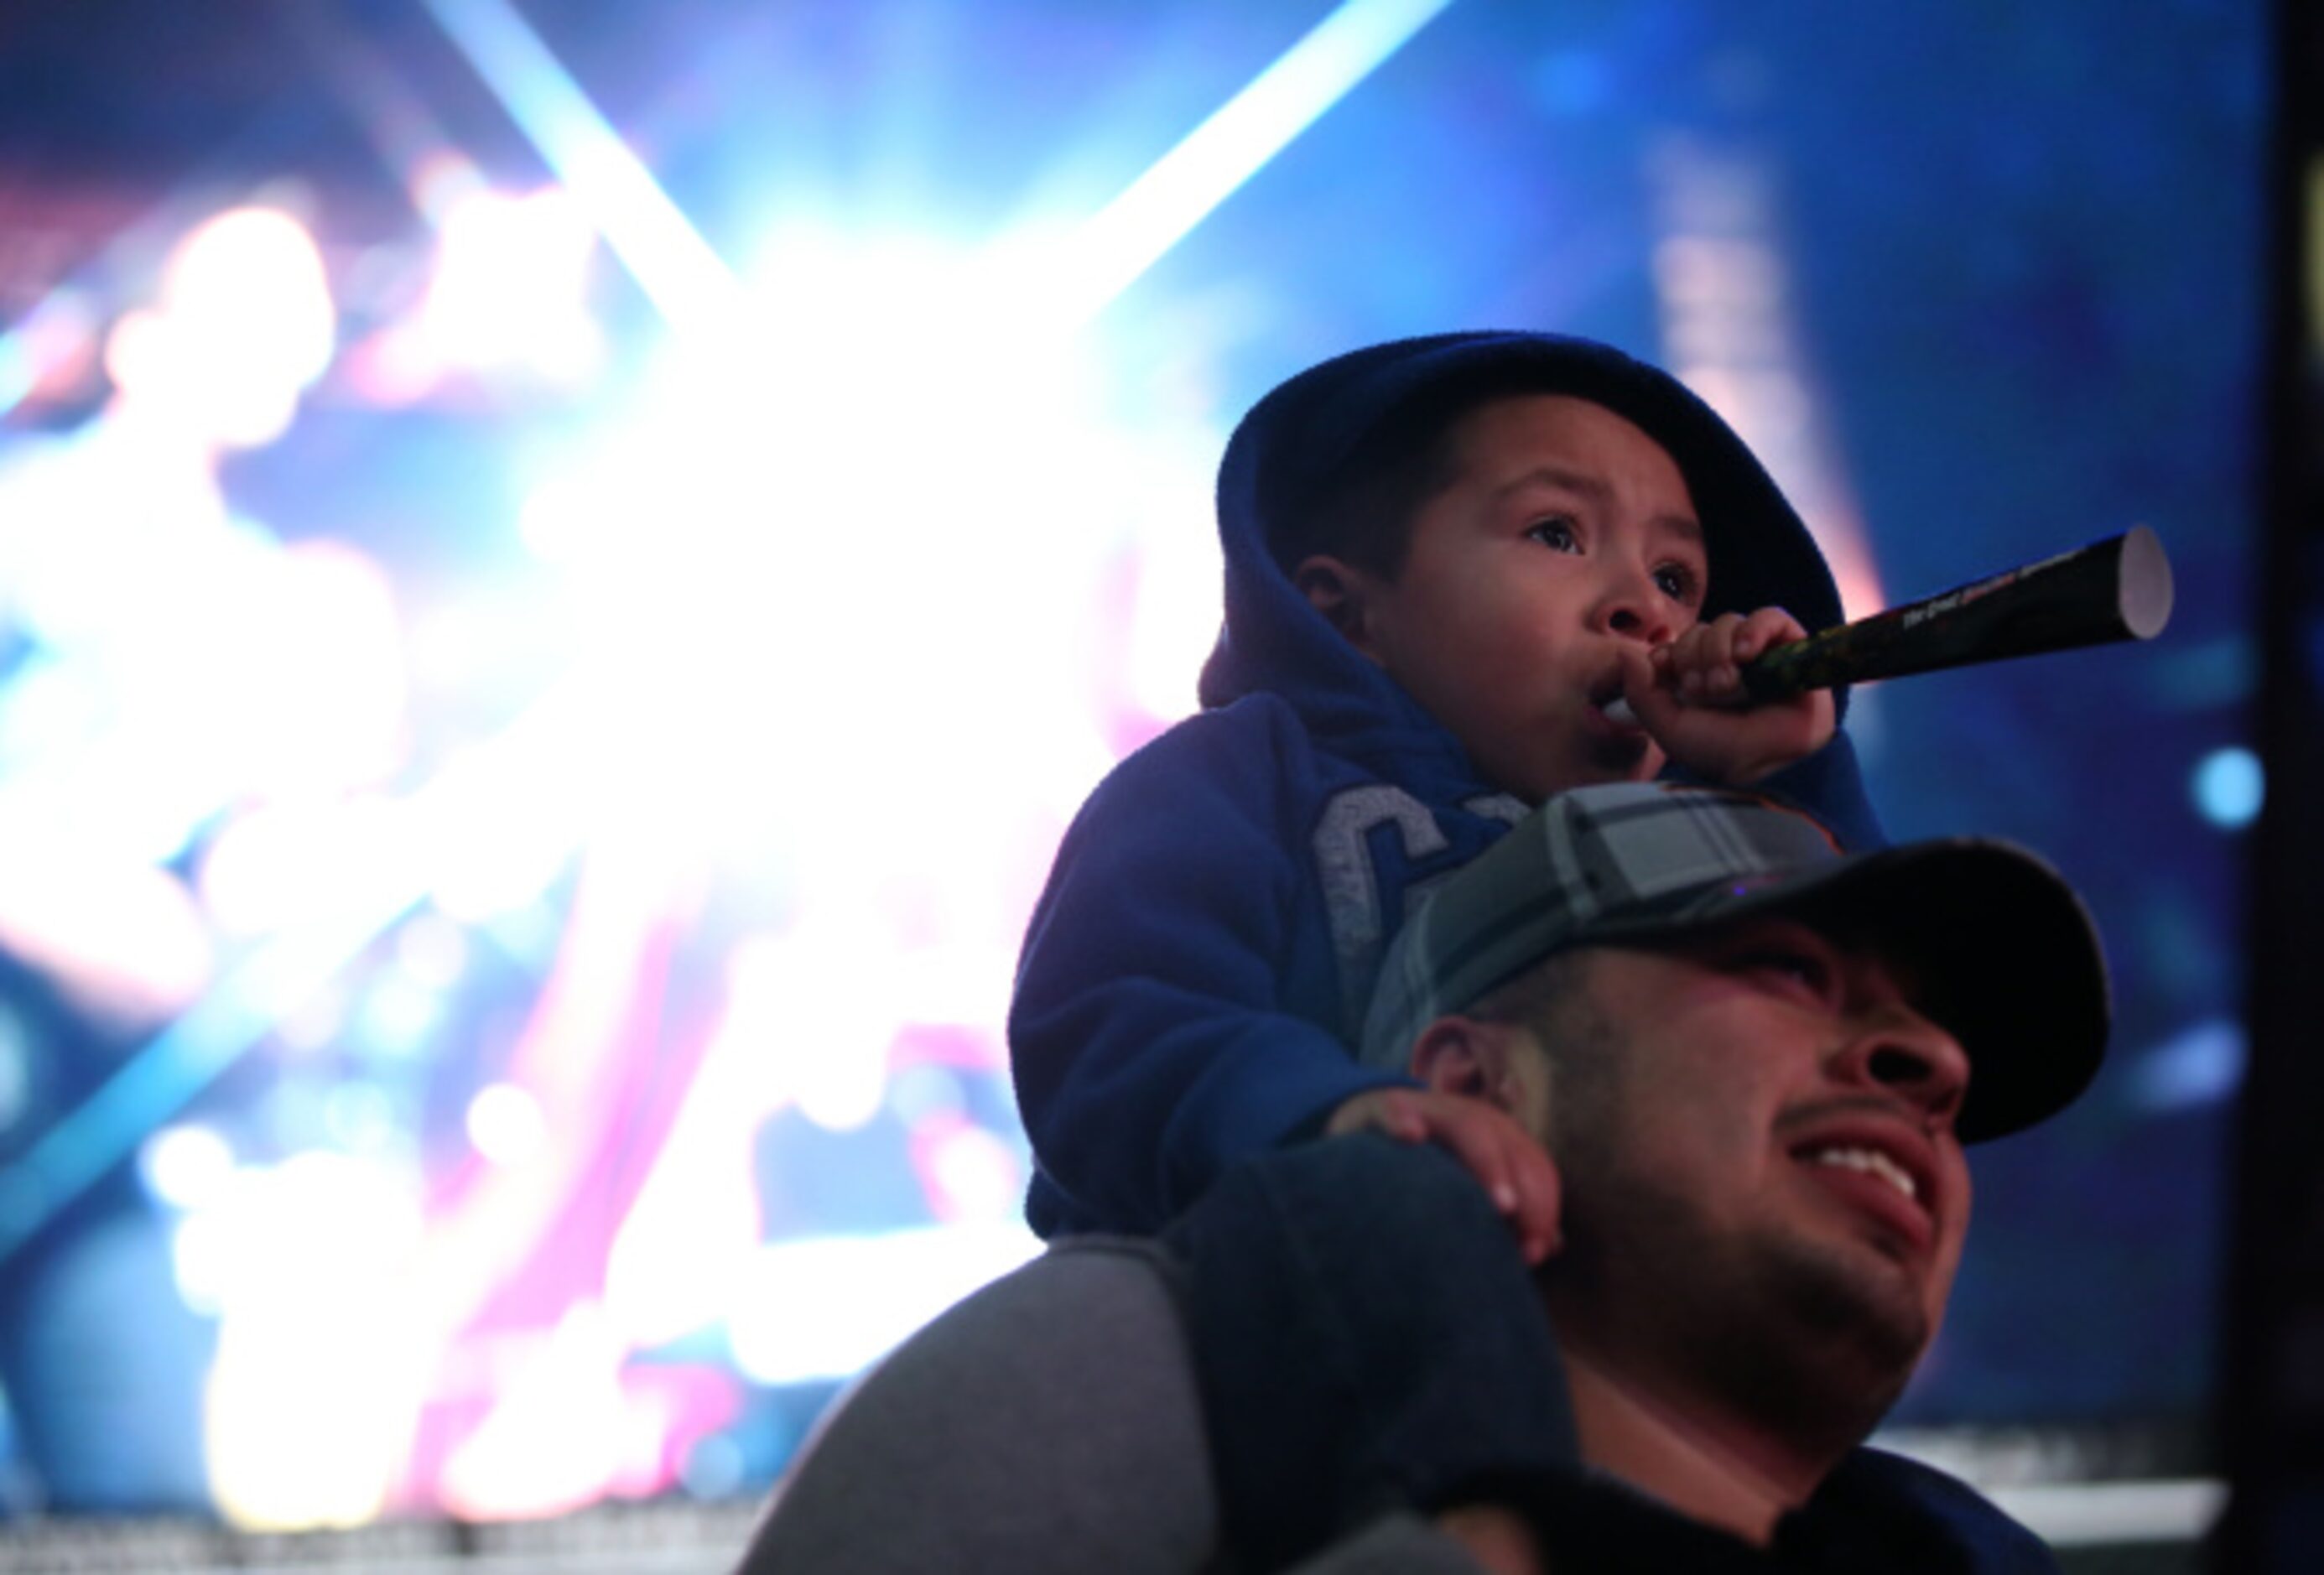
[2229, 787]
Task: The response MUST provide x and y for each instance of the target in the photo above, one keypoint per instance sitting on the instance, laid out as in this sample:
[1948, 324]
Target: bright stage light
[245, 323]
[360, 1117]
[553, 1439]
[849, 552]
[186, 1166]
[313, 1393]
[864, 515]
[511, 287]
[506, 1124]
[829, 1306]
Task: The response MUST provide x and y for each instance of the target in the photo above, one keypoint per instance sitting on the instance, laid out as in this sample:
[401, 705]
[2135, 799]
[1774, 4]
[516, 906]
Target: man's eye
[1804, 967]
[1557, 534]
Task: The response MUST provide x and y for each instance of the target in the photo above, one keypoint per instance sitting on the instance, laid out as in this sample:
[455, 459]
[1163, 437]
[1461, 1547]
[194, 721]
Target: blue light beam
[694, 289]
[1155, 211]
[689, 284]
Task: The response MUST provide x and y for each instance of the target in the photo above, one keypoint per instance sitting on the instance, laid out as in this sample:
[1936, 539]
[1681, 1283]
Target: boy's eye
[1557, 533]
[1678, 581]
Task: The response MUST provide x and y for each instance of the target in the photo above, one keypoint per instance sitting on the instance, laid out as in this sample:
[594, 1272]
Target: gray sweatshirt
[1046, 1426]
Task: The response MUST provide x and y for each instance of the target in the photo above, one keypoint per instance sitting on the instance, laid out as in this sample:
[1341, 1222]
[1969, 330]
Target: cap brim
[2005, 954]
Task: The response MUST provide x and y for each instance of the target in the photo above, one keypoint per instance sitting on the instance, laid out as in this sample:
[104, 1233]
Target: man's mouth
[1887, 1172]
[1870, 1162]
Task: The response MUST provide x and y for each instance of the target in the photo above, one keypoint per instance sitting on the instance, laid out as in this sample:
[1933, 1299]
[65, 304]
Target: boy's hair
[1364, 514]
[1340, 457]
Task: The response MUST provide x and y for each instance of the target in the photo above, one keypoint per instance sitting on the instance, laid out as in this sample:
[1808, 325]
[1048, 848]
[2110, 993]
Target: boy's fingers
[1648, 700]
[1472, 1143]
[1525, 1185]
[1701, 664]
[1764, 631]
[1647, 688]
[1695, 649]
[1730, 641]
[1394, 1111]
[1485, 1161]
[1405, 1117]
[1537, 1220]
[1514, 1173]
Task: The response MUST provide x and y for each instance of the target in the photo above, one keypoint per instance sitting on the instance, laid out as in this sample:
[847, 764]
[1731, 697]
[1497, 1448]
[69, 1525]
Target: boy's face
[1566, 535]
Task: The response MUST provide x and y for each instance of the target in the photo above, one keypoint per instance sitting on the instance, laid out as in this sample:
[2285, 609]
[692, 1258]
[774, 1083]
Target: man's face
[1566, 533]
[1754, 1134]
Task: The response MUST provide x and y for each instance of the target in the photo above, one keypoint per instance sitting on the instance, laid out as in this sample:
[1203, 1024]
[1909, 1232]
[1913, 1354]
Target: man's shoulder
[1049, 1420]
[1085, 1299]
[1080, 1293]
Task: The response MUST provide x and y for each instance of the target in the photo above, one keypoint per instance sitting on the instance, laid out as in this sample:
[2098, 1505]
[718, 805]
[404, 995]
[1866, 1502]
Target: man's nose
[1900, 1051]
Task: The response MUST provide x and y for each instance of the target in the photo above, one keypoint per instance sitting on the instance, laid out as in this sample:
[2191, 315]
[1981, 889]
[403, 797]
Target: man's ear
[1461, 1055]
[1336, 589]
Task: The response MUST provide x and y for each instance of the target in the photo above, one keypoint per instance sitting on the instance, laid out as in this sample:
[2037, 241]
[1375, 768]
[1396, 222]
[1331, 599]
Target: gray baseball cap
[2006, 954]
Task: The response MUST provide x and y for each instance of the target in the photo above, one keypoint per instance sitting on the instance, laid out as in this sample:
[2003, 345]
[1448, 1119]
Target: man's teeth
[1871, 1161]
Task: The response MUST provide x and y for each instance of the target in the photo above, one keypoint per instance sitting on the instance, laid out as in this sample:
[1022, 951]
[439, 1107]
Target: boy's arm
[1151, 1036]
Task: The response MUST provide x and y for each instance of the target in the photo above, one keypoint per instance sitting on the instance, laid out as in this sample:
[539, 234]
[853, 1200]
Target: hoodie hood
[1297, 440]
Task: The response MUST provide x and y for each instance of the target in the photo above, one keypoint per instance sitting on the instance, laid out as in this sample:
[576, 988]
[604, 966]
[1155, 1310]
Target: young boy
[1447, 557]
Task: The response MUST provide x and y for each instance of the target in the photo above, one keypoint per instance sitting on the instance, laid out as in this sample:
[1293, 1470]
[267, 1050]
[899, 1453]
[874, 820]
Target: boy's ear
[1336, 589]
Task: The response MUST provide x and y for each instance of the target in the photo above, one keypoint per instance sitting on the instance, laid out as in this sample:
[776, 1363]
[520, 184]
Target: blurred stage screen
[562, 569]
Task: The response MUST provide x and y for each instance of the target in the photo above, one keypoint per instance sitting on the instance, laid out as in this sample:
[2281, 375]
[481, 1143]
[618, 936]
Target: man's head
[1488, 516]
[1754, 1061]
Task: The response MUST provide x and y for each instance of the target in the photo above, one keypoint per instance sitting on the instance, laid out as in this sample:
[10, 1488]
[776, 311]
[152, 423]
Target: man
[1754, 1061]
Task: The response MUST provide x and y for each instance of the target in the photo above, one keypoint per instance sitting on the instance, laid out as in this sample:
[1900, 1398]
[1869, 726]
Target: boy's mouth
[1606, 700]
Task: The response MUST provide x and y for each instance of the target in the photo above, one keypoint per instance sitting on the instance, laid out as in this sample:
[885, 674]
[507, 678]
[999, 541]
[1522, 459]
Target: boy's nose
[1634, 609]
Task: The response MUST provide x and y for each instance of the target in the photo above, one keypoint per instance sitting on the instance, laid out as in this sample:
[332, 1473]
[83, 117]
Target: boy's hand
[1689, 696]
[1515, 1170]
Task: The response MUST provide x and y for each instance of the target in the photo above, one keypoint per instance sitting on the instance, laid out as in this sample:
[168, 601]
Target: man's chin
[1859, 1322]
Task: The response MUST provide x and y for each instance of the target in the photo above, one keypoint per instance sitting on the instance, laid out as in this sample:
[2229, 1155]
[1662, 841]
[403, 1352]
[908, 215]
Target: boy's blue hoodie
[1205, 948]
